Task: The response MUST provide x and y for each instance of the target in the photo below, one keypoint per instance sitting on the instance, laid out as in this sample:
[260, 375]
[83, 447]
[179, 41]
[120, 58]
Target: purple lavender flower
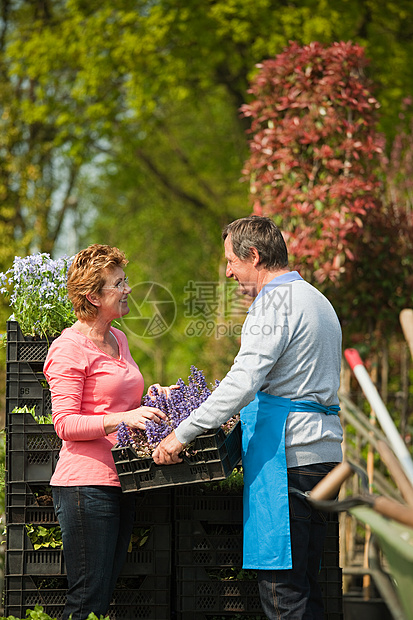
[123, 435]
[181, 402]
[178, 406]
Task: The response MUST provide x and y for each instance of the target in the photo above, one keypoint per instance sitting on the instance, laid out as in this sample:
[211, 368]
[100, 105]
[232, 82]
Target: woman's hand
[161, 389]
[135, 418]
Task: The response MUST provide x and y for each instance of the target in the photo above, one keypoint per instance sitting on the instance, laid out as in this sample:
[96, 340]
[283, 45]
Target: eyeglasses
[120, 286]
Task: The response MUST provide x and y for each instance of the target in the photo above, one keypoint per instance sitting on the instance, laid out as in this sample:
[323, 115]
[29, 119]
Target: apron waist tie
[312, 405]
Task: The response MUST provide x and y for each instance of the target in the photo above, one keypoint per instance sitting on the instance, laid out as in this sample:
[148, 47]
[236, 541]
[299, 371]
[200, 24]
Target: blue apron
[267, 544]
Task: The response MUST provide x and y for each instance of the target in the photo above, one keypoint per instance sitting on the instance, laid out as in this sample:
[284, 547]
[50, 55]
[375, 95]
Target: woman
[95, 385]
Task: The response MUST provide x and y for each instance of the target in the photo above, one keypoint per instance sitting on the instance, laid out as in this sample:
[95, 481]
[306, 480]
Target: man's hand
[168, 450]
[161, 389]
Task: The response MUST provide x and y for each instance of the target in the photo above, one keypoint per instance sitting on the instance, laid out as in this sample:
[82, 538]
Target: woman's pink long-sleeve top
[86, 384]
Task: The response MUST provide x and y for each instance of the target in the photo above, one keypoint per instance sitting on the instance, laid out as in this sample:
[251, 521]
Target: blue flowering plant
[177, 407]
[36, 288]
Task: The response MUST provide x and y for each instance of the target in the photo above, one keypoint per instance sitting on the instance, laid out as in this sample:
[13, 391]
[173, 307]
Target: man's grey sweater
[290, 347]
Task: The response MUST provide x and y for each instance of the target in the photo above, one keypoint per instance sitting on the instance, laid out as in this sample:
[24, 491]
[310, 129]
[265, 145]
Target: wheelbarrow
[390, 521]
[391, 524]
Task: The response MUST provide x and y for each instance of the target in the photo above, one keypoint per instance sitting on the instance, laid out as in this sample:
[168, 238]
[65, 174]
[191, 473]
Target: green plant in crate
[44, 537]
[40, 419]
[234, 483]
[139, 537]
[36, 288]
[232, 573]
[38, 614]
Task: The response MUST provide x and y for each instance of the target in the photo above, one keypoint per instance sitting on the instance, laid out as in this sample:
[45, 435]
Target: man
[284, 380]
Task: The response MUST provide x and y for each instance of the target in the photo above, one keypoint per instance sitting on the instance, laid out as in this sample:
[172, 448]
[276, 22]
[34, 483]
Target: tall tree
[316, 157]
[314, 150]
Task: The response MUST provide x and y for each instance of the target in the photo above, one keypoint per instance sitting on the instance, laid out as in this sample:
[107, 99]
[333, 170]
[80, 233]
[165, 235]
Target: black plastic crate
[206, 544]
[151, 557]
[22, 593]
[331, 583]
[205, 595]
[32, 503]
[22, 348]
[331, 577]
[26, 386]
[154, 556]
[145, 597]
[332, 542]
[216, 455]
[198, 503]
[154, 506]
[29, 503]
[25, 380]
[32, 450]
[23, 559]
[199, 594]
[42, 404]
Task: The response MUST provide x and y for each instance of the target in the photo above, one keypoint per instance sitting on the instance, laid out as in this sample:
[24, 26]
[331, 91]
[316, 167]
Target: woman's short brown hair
[86, 276]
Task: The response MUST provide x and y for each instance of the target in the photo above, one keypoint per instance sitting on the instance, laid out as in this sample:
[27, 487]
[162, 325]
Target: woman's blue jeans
[295, 594]
[96, 524]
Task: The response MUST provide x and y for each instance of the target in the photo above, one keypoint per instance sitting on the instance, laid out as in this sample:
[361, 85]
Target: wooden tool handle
[406, 321]
[393, 510]
[329, 486]
[395, 469]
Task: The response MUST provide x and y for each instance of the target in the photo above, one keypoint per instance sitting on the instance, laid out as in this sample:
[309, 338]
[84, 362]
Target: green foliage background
[119, 123]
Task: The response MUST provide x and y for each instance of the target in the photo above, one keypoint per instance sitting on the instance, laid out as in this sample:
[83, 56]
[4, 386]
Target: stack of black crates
[208, 557]
[39, 576]
[186, 556]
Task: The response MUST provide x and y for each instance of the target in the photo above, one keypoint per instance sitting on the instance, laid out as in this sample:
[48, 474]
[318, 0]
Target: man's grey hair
[260, 233]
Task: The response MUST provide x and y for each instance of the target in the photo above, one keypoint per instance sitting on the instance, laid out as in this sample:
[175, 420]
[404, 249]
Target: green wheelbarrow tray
[391, 525]
[396, 542]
